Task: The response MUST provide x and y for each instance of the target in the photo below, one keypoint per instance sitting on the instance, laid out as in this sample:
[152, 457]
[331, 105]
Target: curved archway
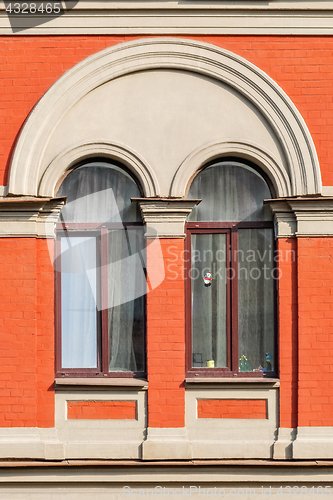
[199, 158]
[301, 167]
[66, 159]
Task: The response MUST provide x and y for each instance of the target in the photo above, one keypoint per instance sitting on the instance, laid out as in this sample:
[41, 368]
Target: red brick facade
[101, 410]
[232, 408]
[302, 67]
[315, 306]
[166, 338]
[27, 340]
[288, 332]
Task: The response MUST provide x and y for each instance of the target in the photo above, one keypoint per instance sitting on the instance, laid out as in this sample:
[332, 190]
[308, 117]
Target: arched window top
[99, 192]
[232, 273]
[231, 191]
[101, 284]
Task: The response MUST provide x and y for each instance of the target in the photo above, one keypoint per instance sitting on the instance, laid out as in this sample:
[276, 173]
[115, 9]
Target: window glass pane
[256, 299]
[127, 287]
[99, 192]
[209, 344]
[78, 302]
[230, 192]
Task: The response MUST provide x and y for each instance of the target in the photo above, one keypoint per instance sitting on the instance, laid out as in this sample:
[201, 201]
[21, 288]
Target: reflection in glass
[78, 302]
[209, 324]
[256, 299]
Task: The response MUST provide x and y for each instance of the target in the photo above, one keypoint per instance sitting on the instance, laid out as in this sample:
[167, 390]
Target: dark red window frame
[231, 230]
[101, 231]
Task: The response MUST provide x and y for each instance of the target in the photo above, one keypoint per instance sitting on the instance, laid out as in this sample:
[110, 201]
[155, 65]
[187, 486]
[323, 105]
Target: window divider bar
[228, 225]
[58, 304]
[104, 336]
[188, 302]
[234, 299]
[229, 301]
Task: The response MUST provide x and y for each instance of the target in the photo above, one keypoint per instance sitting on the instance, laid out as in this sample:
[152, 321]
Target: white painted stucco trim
[88, 17]
[303, 217]
[227, 437]
[110, 438]
[313, 443]
[252, 152]
[301, 167]
[119, 152]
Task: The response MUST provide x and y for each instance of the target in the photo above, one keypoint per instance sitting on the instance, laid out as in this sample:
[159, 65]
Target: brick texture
[288, 331]
[232, 408]
[166, 337]
[27, 336]
[315, 302]
[302, 66]
[101, 410]
[45, 361]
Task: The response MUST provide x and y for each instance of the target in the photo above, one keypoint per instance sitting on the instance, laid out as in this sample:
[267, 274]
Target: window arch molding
[83, 152]
[301, 166]
[256, 155]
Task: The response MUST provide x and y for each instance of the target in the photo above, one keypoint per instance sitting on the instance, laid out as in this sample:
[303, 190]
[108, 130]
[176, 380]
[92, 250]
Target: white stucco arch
[252, 152]
[298, 174]
[80, 152]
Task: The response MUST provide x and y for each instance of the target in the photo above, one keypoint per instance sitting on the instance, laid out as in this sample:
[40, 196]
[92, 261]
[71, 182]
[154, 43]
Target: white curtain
[234, 192]
[126, 291]
[78, 305]
[256, 297]
[101, 193]
[231, 192]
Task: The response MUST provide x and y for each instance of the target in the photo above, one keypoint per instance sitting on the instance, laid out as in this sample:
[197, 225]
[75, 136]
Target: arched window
[101, 280]
[231, 273]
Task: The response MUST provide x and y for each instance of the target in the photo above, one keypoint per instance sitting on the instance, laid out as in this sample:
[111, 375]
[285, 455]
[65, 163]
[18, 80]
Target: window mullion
[57, 268]
[228, 271]
[234, 298]
[104, 301]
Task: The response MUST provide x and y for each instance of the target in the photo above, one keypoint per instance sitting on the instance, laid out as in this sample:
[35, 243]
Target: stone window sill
[224, 381]
[112, 382]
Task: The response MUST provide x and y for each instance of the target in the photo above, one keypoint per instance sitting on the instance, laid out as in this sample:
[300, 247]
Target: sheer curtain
[230, 192]
[209, 333]
[234, 192]
[101, 193]
[256, 297]
[126, 291]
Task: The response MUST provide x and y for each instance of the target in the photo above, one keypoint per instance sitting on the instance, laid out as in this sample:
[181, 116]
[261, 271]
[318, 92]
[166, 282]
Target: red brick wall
[232, 408]
[288, 331]
[27, 338]
[315, 302]
[45, 349]
[302, 66]
[166, 337]
[101, 410]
